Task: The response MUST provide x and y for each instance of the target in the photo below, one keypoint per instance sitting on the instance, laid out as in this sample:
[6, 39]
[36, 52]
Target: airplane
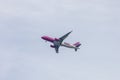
[73, 46]
[56, 41]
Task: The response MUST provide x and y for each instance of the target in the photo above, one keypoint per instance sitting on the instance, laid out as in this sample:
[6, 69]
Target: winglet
[71, 31]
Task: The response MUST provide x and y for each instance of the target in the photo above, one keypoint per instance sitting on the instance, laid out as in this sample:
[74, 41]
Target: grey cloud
[95, 23]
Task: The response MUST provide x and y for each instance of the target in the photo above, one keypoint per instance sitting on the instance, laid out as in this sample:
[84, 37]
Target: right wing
[58, 43]
[64, 37]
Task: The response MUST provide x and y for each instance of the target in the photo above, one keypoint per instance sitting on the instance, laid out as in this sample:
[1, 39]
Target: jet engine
[52, 46]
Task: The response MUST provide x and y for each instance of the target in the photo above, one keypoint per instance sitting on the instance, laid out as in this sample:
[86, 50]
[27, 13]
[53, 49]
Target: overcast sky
[25, 56]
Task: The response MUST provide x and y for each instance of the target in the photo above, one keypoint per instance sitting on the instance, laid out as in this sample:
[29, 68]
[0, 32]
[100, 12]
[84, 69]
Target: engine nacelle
[52, 46]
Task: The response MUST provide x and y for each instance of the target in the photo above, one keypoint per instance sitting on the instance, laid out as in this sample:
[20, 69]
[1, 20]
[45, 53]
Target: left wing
[64, 37]
[57, 43]
[57, 49]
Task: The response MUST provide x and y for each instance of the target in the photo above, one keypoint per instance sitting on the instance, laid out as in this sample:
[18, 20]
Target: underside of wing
[57, 49]
[64, 37]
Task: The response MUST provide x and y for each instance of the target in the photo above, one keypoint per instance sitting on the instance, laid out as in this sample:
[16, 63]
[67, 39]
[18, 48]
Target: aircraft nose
[42, 37]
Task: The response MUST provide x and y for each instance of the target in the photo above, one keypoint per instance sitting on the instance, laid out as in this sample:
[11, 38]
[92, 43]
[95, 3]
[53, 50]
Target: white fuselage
[69, 45]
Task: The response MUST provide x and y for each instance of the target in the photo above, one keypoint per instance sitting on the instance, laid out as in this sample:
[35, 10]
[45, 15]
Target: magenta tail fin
[77, 44]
